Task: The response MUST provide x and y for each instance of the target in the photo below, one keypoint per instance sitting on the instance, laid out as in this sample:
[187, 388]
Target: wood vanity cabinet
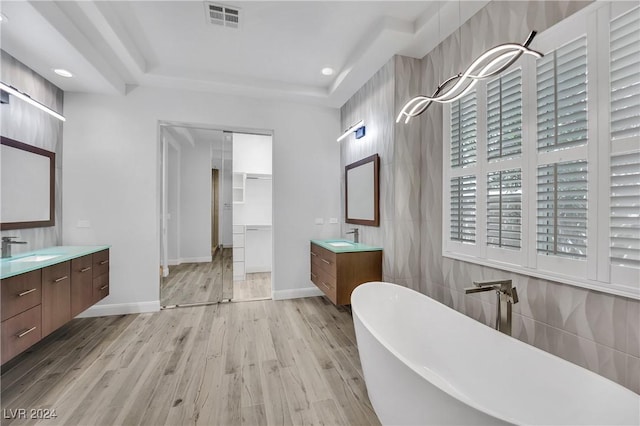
[81, 284]
[338, 274]
[100, 275]
[36, 303]
[56, 297]
[21, 313]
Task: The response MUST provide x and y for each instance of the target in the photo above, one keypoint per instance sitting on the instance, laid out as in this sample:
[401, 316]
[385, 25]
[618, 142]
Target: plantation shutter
[562, 97]
[464, 131]
[463, 209]
[504, 208]
[625, 75]
[562, 209]
[504, 116]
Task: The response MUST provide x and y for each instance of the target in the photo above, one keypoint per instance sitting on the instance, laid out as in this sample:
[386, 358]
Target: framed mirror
[362, 191]
[27, 184]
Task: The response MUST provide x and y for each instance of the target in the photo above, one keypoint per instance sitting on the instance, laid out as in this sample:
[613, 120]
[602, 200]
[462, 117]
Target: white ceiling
[278, 51]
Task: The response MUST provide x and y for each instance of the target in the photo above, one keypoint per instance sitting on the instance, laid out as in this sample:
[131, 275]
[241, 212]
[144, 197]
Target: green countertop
[344, 246]
[13, 266]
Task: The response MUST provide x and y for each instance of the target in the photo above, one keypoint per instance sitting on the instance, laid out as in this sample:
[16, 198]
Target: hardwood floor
[199, 282]
[265, 362]
[256, 286]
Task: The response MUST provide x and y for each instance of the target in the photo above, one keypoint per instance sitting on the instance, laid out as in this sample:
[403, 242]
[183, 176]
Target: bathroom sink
[35, 258]
[341, 244]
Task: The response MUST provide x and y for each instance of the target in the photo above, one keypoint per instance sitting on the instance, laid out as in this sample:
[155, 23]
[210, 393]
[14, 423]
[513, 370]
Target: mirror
[362, 195]
[28, 186]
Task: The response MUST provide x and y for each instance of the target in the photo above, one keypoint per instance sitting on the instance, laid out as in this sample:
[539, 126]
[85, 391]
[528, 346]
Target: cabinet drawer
[81, 284]
[20, 293]
[100, 288]
[325, 282]
[100, 263]
[20, 332]
[324, 259]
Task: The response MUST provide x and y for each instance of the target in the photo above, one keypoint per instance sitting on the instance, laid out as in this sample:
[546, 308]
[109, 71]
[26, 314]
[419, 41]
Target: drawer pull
[314, 275]
[313, 254]
[61, 279]
[326, 261]
[103, 287]
[24, 333]
[24, 293]
[104, 262]
[88, 268]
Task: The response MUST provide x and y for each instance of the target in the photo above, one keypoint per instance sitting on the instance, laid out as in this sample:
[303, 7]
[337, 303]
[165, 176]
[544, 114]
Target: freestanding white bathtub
[425, 363]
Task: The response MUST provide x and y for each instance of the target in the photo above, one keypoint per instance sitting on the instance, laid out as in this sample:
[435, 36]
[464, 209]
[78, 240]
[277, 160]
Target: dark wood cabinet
[338, 274]
[81, 284]
[36, 303]
[100, 275]
[56, 297]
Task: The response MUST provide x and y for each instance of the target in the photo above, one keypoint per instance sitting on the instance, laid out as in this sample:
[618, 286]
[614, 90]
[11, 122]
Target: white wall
[111, 177]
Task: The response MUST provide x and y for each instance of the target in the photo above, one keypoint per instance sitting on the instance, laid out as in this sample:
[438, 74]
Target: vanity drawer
[323, 259]
[20, 332]
[20, 293]
[100, 288]
[100, 263]
[325, 282]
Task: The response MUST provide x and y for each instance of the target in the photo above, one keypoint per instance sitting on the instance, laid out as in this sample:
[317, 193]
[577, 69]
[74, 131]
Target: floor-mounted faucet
[506, 296]
[6, 246]
[356, 234]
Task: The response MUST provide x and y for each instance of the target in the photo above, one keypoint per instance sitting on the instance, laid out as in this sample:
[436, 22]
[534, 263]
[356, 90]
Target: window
[542, 163]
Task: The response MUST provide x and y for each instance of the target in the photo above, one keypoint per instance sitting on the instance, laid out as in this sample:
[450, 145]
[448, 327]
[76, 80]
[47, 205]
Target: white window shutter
[463, 209]
[562, 97]
[504, 116]
[464, 131]
[504, 209]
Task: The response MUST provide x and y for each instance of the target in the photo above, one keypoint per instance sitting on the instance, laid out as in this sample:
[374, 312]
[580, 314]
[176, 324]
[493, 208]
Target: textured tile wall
[592, 329]
[25, 123]
[595, 330]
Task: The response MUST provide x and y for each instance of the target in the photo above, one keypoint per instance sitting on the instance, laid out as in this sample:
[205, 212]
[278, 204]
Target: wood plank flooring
[254, 363]
[256, 286]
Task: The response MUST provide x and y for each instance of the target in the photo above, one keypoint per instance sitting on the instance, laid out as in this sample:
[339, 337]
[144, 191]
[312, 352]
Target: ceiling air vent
[221, 15]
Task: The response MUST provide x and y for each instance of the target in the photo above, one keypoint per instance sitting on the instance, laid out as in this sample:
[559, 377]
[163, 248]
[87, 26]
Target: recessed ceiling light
[327, 71]
[3, 17]
[63, 73]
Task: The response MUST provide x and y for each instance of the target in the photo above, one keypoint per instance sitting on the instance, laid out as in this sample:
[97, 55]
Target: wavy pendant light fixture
[491, 63]
[5, 88]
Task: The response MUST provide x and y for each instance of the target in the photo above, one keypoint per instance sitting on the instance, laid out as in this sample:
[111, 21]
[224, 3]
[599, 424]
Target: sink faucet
[356, 234]
[6, 246]
[506, 297]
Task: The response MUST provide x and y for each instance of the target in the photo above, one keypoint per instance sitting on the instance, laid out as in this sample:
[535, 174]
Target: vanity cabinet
[338, 274]
[56, 297]
[100, 275]
[81, 284]
[37, 302]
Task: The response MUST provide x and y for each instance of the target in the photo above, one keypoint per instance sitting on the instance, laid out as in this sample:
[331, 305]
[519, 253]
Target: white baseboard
[296, 293]
[255, 269]
[176, 262]
[120, 309]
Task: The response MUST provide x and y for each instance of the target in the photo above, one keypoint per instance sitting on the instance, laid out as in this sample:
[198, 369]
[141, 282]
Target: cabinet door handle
[104, 262]
[103, 287]
[326, 261]
[24, 293]
[88, 268]
[313, 254]
[24, 333]
[61, 279]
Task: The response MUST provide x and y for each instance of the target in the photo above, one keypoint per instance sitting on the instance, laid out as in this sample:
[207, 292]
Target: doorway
[202, 253]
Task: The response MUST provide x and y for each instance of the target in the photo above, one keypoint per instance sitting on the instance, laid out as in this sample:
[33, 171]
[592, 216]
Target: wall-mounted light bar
[23, 96]
[352, 129]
